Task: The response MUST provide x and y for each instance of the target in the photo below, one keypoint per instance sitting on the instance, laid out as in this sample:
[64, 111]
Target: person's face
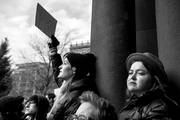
[30, 108]
[139, 79]
[87, 110]
[66, 71]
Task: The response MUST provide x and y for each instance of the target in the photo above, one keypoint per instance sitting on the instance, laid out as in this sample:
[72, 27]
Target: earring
[74, 70]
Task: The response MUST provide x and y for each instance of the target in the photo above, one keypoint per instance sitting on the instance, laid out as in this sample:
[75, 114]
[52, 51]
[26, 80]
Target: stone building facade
[26, 77]
[80, 47]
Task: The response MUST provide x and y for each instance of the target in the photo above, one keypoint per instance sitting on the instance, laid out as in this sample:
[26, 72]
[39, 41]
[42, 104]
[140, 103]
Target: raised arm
[55, 58]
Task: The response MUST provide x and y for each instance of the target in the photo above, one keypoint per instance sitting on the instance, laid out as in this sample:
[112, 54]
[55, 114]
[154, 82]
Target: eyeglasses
[78, 117]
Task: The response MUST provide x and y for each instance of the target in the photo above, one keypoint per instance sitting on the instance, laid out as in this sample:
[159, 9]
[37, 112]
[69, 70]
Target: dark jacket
[154, 105]
[70, 103]
[56, 62]
[11, 107]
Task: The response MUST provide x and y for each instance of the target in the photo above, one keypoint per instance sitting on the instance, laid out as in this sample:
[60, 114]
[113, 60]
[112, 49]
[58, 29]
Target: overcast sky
[17, 19]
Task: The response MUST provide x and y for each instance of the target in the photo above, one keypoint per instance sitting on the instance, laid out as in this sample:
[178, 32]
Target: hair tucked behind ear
[91, 60]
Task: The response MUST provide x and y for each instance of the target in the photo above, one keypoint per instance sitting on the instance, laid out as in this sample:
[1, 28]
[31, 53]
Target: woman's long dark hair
[85, 68]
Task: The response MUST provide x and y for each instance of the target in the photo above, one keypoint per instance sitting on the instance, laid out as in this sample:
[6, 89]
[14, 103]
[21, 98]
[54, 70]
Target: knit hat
[11, 104]
[151, 62]
[84, 63]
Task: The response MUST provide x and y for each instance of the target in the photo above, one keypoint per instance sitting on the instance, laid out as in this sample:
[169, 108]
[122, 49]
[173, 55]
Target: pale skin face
[66, 71]
[30, 108]
[88, 110]
[139, 79]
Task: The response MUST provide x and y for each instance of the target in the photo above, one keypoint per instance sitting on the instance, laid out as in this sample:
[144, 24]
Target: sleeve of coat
[156, 111]
[56, 61]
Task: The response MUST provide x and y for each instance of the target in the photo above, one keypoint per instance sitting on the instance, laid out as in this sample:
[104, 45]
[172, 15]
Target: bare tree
[43, 77]
[66, 39]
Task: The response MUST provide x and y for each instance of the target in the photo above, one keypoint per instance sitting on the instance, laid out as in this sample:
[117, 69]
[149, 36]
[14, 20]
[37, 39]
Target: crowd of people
[78, 98]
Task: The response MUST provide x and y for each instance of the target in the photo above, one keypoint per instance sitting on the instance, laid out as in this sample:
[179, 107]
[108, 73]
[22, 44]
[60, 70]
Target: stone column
[146, 36]
[112, 39]
[168, 34]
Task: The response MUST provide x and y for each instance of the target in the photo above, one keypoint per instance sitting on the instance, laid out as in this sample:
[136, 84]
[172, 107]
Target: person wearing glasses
[94, 107]
[36, 108]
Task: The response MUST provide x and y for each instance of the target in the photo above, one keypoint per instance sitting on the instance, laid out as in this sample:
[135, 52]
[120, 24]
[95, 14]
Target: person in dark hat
[36, 108]
[11, 107]
[74, 76]
[147, 86]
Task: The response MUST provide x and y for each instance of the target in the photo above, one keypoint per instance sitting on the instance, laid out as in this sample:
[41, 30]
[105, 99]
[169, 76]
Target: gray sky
[17, 19]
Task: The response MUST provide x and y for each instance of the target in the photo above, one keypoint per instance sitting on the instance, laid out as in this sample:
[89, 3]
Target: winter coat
[56, 62]
[70, 102]
[154, 105]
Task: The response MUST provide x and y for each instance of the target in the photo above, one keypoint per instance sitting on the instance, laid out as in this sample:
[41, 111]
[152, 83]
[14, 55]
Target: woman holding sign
[74, 75]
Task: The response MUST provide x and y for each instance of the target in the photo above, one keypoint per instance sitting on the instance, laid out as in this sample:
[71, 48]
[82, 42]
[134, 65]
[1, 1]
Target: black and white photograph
[89, 59]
